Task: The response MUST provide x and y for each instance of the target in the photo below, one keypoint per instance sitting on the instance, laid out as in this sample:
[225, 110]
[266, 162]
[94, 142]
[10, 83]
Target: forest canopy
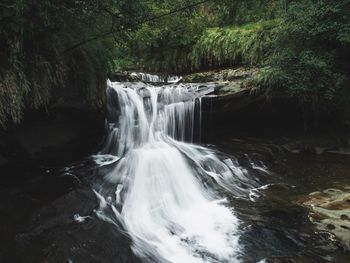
[50, 49]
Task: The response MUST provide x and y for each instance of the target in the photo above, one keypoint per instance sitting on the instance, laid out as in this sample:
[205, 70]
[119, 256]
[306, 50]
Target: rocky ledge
[238, 100]
[329, 210]
[228, 81]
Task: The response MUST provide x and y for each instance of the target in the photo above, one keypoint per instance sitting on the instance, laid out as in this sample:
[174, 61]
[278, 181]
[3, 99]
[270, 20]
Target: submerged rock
[330, 212]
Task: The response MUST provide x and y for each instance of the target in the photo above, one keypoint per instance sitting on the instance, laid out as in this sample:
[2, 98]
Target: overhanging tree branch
[142, 21]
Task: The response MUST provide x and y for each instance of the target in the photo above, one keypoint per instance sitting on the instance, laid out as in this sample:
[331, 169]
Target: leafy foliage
[164, 44]
[208, 35]
[52, 49]
[237, 12]
[233, 45]
[312, 54]
[303, 46]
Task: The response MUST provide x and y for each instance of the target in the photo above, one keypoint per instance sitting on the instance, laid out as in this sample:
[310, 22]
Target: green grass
[216, 47]
[233, 45]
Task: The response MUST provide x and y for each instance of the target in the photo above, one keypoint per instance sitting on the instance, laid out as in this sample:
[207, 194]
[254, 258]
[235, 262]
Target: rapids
[151, 78]
[163, 189]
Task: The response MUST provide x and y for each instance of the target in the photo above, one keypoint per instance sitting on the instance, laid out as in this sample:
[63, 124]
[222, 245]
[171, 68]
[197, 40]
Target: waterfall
[162, 190]
[151, 78]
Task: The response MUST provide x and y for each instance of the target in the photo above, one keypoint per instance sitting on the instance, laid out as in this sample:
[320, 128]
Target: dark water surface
[275, 226]
[47, 212]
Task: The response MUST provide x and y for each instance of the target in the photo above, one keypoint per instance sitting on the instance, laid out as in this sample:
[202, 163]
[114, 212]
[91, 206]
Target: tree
[311, 55]
[49, 46]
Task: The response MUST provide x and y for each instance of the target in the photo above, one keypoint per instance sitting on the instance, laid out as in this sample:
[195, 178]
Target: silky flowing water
[162, 189]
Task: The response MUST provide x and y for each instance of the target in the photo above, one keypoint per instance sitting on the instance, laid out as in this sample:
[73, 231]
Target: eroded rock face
[229, 80]
[221, 75]
[330, 212]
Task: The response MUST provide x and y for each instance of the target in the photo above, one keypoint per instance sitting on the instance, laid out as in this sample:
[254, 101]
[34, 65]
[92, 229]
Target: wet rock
[314, 144]
[223, 75]
[319, 150]
[330, 212]
[229, 81]
[277, 260]
[137, 76]
[55, 231]
[239, 73]
[122, 76]
[275, 193]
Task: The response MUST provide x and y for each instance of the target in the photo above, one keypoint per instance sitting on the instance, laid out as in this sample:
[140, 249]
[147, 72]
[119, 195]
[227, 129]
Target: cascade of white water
[156, 78]
[159, 191]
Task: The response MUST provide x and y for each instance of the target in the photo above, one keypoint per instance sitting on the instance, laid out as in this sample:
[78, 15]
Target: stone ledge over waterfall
[236, 99]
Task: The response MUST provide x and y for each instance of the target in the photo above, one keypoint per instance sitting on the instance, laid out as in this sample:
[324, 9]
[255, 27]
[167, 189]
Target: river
[162, 189]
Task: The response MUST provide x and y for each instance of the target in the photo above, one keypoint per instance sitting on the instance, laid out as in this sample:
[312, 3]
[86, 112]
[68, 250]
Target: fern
[233, 45]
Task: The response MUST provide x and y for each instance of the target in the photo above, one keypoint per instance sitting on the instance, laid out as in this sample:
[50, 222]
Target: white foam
[161, 199]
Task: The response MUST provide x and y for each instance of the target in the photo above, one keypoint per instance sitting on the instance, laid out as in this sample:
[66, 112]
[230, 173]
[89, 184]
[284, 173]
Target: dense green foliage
[213, 34]
[52, 49]
[302, 46]
[55, 48]
[235, 12]
[311, 58]
[164, 44]
[234, 45]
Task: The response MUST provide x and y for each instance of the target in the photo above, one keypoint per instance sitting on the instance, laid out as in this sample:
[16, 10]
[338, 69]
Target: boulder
[329, 210]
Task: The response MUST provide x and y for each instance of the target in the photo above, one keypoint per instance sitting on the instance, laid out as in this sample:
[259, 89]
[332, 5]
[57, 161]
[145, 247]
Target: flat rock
[329, 210]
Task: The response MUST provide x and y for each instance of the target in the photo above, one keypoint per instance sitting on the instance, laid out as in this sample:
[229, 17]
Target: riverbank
[49, 208]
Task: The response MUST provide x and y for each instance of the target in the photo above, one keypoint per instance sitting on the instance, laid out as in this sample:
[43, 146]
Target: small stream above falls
[163, 189]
